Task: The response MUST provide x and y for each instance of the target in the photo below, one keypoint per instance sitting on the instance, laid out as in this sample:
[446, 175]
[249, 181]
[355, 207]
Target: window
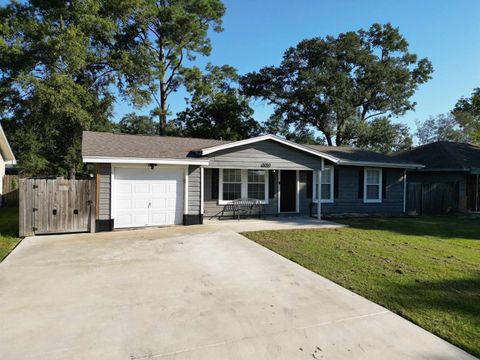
[327, 185]
[242, 183]
[256, 184]
[232, 184]
[373, 185]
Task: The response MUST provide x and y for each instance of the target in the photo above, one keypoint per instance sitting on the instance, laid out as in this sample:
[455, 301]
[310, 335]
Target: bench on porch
[242, 207]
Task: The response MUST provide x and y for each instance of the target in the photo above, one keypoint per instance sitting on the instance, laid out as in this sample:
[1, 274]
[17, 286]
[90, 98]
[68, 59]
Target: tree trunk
[162, 116]
[329, 139]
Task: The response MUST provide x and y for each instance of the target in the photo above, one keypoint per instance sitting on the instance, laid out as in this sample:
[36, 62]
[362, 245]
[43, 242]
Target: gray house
[156, 181]
[448, 163]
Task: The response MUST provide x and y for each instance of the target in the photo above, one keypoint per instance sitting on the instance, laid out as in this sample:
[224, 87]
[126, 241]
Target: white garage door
[145, 197]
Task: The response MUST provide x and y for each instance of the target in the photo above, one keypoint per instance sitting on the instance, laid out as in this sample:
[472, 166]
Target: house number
[265, 165]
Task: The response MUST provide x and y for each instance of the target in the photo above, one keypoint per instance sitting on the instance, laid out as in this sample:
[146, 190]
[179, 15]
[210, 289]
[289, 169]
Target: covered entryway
[288, 190]
[147, 197]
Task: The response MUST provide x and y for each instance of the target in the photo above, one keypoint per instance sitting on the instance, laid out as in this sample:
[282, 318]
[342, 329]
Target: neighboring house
[151, 180]
[6, 158]
[448, 163]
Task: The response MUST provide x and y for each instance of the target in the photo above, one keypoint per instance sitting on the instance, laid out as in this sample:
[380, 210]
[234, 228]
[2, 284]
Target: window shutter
[309, 184]
[384, 183]
[335, 183]
[360, 183]
[271, 184]
[215, 179]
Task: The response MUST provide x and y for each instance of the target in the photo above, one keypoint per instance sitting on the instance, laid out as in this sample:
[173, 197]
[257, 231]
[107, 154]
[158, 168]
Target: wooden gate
[49, 206]
[432, 198]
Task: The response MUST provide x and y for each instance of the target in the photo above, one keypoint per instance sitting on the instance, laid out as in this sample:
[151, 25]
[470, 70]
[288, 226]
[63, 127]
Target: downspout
[404, 191]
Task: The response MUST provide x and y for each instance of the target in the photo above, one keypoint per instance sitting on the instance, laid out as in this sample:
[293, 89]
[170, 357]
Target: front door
[288, 191]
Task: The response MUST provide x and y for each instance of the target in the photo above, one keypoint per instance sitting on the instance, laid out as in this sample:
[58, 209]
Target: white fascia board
[130, 160]
[6, 149]
[383, 165]
[278, 139]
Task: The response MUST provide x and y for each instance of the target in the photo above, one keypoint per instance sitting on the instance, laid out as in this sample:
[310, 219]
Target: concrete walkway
[202, 292]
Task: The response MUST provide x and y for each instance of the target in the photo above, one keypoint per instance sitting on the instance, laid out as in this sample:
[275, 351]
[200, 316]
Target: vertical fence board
[55, 201]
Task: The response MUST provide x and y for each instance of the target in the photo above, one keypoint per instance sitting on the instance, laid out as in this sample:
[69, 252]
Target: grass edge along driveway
[8, 231]
[424, 269]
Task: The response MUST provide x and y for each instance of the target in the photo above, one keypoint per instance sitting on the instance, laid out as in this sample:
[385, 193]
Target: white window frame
[380, 185]
[315, 182]
[244, 186]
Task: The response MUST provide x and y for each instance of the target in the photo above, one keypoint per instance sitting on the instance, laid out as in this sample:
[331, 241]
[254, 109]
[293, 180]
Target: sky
[447, 32]
[257, 32]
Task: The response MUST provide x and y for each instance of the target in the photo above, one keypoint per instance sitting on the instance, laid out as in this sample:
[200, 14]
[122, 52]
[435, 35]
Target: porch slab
[271, 223]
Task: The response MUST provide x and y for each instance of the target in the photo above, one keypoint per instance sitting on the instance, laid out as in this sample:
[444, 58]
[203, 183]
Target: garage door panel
[148, 198]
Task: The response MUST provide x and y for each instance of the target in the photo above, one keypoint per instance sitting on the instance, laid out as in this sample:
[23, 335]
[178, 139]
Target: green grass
[424, 269]
[8, 230]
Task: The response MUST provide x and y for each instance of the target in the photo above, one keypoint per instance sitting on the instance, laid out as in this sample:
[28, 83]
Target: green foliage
[157, 37]
[381, 135]
[467, 115]
[443, 127]
[56, 65]
[8, 230]
[137, 125]
[332, 83]
[216, 109]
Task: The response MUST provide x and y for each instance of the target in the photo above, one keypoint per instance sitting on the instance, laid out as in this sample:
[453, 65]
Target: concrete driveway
[202, 292]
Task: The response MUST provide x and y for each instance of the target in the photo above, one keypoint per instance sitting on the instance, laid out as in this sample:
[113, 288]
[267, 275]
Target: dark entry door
[288, 190]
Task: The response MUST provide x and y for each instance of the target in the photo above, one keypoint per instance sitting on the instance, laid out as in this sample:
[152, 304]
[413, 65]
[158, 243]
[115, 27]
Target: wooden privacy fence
[50, 206]
[10, 190]
[432, 199]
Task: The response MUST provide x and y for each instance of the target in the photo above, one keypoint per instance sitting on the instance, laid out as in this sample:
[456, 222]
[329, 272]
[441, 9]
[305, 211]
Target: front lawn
[425, 269]
[8, 230]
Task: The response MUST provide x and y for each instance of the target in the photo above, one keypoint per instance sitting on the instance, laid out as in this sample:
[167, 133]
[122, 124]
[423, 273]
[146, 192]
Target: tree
[443, 127]
[381, 135]
[216, 109]
[333, 83]
[159, 36]
[137, 125]
[55, 73]
[301, 135]
[467, 115]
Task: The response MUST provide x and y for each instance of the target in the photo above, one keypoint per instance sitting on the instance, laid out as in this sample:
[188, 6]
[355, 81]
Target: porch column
[185, 192]
[202, 196]
[319, 194]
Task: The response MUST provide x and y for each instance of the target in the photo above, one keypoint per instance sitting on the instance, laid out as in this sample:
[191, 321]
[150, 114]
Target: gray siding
[104, 202]
[211, 207]
[348, 200]
[264, 154]
[194, 179]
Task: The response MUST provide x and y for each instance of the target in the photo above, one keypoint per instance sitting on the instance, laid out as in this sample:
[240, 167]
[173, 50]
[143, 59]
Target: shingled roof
[139, 146]
[110, 145]
[350, 154]
[444, 156]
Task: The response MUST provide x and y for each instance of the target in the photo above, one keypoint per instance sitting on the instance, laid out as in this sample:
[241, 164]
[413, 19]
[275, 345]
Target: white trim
[297, 193]
[319, 192]
[7, 152]
[185, 192]
[243, 186]
[133, 160]
[332, 188]
[202, 190]
[380, 164]
[278, 139]
[380, 186]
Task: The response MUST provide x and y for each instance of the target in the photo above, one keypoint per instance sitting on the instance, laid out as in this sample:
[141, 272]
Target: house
[452, 163]
[6, 158]
[151, 180]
